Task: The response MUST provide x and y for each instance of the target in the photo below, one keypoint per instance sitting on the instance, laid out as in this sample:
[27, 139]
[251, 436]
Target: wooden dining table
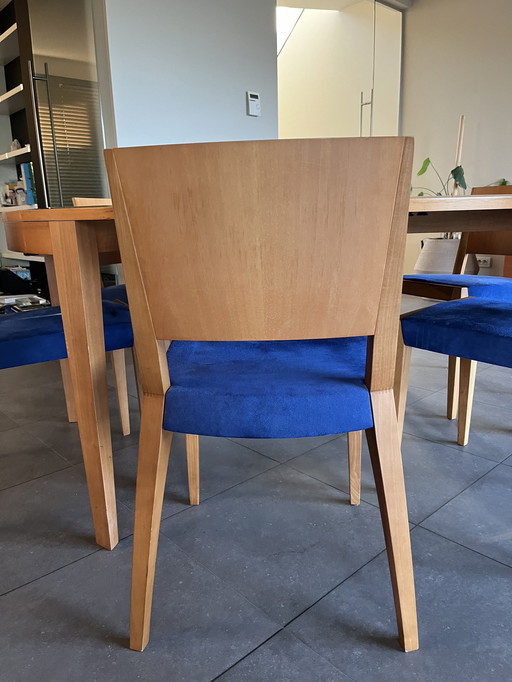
[75, 241]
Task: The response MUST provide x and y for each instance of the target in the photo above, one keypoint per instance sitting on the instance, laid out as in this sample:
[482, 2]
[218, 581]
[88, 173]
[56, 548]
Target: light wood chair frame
[265, 240]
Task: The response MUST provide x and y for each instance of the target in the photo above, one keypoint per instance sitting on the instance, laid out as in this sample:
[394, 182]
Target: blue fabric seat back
[473, 328]
[37, 336]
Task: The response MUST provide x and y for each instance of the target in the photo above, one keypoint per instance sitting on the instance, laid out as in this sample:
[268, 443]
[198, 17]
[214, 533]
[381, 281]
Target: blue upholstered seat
[37, 336]
[473, 328]
[499, 288]
[117, 292]
[270, 389]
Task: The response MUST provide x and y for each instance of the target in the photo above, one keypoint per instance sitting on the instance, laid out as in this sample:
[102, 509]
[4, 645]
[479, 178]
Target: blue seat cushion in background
[116, 292]
[267, 389]
[499, 288]
[37, 335]
[473, 328]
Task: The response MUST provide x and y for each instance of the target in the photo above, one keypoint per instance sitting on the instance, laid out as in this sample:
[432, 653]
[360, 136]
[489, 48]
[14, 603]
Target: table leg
[64, 364]
[77, 272]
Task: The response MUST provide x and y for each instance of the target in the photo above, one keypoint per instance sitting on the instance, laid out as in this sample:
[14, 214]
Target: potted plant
[438, 254]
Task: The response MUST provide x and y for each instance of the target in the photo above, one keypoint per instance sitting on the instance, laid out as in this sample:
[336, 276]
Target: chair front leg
[467, 390]
[384, 446]
[355, 445]
[154, 448]
[192, 447]
[452, 403]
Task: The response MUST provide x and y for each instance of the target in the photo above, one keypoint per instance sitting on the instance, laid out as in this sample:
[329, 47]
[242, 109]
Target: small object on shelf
[24, 301]
[9, 195]
[15, 144]
[27, 177]
[20, 271]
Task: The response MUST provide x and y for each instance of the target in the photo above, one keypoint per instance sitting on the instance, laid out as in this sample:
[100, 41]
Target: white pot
[438, 257]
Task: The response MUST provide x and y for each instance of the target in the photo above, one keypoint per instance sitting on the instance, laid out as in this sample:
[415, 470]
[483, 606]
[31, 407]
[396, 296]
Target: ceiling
[338, 4]
[317, 4]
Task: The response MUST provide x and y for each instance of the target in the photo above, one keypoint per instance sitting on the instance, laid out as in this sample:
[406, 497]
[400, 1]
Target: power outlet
[484, 261]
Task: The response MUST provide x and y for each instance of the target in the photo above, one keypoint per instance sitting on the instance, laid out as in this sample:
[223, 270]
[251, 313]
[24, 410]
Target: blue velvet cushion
[267, 389]
[474, 328]
[37, 335]
[499, 288]
[117, 292]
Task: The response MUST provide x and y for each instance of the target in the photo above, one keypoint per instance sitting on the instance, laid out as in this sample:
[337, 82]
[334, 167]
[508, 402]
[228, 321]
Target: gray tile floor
[274, 576]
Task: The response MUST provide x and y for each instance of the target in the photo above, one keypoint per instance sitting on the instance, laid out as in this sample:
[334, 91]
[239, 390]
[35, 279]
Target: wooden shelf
[17, 154]
[14, 255]
[9, 48]
[4, 3]
[23, 207]
[12, 101]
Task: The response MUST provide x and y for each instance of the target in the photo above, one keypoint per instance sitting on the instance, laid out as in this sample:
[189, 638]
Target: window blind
[70, 126]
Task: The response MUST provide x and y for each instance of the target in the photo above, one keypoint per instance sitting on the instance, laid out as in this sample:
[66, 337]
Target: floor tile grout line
[470, 485]
[338, 435]
[189, 507]
[335, 588]
[460, 544]
[223, 581]
[457, 448]
[376, 505]
[38, 478]
[46, 445]
[308, 646]
[249, 653]
[55, 570]
[236, 590]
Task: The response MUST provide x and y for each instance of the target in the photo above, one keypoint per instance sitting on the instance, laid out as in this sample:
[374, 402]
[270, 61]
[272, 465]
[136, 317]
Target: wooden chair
[261, 246]
[472, 329]
[458, 285]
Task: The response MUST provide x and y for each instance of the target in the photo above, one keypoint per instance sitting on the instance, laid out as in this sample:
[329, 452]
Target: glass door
[338, 70]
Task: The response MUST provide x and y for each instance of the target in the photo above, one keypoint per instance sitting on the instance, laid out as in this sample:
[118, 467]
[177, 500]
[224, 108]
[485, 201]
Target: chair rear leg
[119, 368]
[154, 447]
[355, 445]
[386, 460]
[68, 390]
[467, 390]
[403, 365]
[137, 378]
[192, 446]
[452, 403]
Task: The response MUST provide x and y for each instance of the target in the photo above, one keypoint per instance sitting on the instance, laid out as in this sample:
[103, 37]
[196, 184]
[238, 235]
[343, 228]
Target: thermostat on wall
[253, 104]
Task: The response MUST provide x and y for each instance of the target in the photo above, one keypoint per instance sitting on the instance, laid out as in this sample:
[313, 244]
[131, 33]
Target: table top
[482, 202]
[52, 214]
[487, 202]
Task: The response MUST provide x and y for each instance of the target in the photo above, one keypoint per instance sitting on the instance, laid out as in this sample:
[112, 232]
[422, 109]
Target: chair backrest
[91, 201]
[261, 240]
[495, 243]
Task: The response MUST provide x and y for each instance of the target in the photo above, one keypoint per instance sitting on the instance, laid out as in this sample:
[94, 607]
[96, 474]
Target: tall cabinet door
[67, 99]
[339, 71]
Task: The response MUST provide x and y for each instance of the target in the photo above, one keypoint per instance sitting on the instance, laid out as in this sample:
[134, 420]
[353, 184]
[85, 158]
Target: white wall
[325, 64]
[180, 69]
[457, 60]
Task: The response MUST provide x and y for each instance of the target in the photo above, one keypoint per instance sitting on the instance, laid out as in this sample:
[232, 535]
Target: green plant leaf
[458, 175]
[421, 194]
[424, 166]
